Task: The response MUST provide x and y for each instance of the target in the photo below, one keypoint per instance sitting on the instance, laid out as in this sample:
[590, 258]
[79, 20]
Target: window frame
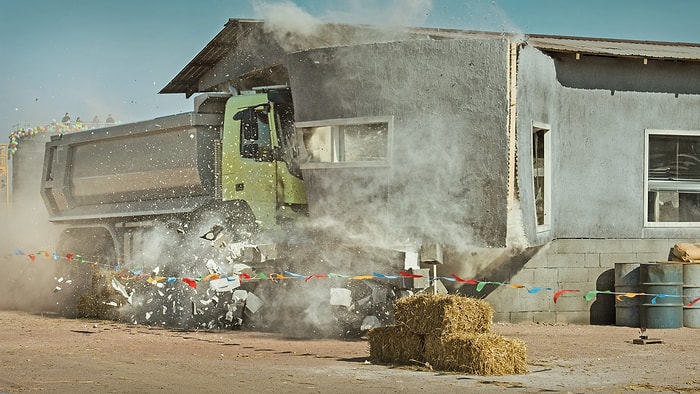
[547, 169]
[647, 134]
[337, 142]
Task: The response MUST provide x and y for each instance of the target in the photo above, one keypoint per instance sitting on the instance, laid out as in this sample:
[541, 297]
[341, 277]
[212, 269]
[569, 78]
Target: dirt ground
[45, 353]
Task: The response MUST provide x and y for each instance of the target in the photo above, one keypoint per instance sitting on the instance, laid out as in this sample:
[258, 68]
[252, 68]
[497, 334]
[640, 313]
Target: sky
[113, 57]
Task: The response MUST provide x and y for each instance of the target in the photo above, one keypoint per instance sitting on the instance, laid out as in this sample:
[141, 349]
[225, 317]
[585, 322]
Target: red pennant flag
[560, 292]
[190, 282]
[32, 256]
[244, 276]
[467, 281]
[69, 256]
[315, 276]
[693, 301]
[410, 275]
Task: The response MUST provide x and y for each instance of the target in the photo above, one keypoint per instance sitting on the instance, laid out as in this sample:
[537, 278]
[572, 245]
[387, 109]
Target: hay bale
[394, 345]
[94, 303]
[476, 354]
[437, 314]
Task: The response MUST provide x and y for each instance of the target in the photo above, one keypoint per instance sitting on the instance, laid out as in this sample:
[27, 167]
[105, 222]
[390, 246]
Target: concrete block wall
[576, 264]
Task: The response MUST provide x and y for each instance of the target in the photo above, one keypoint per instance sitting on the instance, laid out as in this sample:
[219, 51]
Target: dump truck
[217, 191]
[229, 162]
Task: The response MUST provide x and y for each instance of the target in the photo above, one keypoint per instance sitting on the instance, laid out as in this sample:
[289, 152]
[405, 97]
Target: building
[535, 160]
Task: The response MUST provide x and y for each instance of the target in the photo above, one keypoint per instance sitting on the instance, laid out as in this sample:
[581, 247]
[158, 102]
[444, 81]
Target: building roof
[227, 44]
[619, 48]
[187, 79]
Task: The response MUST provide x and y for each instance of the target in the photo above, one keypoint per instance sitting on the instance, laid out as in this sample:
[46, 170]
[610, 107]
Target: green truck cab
[259, 165]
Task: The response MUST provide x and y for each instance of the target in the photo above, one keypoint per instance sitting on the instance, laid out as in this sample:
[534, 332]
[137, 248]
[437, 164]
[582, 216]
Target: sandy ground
[56, 355]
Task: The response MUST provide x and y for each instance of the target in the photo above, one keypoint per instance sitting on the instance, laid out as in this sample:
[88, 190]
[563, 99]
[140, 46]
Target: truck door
[248, 163]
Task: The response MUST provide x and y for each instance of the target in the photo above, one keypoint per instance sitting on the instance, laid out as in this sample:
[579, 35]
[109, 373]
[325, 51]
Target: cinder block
[544, 317]
[609, 259]
[591, 260]
[525, 276]
[538, 261]
[605, 246]
[573, 317]
[501, 317]
[652, 256]
[567, 246]
[521, 317]
[567, 275]
[571, 302]
[565, 260]
[650, 246]
[595, 273]
[545, 277]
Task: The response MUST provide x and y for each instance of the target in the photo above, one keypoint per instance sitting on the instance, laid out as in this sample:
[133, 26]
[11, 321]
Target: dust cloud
[25, 284]
[421, 209]
[297, 307]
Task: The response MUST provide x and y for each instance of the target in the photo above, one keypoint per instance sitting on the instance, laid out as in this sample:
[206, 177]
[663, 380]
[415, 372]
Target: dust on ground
[50, 354]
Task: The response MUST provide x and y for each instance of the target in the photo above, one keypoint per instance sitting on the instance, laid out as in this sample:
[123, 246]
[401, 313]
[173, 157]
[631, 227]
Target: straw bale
[394, 345]
[476, 354]
[434, 314]
[95, 301]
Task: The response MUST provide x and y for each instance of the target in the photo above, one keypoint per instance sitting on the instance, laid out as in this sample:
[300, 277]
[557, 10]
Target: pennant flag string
[135, 273]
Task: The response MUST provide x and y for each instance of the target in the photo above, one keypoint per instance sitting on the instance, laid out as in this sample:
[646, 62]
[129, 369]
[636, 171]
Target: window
[672, 181]
[346, 142]
[541, 174]
[255, 133]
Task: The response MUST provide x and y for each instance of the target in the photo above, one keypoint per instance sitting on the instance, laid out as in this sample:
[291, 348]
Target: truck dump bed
[165, 165]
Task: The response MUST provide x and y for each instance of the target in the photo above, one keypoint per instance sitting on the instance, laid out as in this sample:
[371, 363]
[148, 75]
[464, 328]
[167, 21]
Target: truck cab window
[255, 133]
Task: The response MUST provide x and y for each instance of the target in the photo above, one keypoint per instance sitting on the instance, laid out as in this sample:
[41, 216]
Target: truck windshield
[284, 122]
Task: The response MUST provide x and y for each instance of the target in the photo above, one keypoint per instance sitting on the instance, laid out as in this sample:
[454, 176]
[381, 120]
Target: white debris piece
[212, 267]
[240, 295]
[111, 303]
[240, 268]
[267, 252]
[253, 303]
[223, 285]
[341, 296]
[411, 260]
[236, 249]
[121, 289]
